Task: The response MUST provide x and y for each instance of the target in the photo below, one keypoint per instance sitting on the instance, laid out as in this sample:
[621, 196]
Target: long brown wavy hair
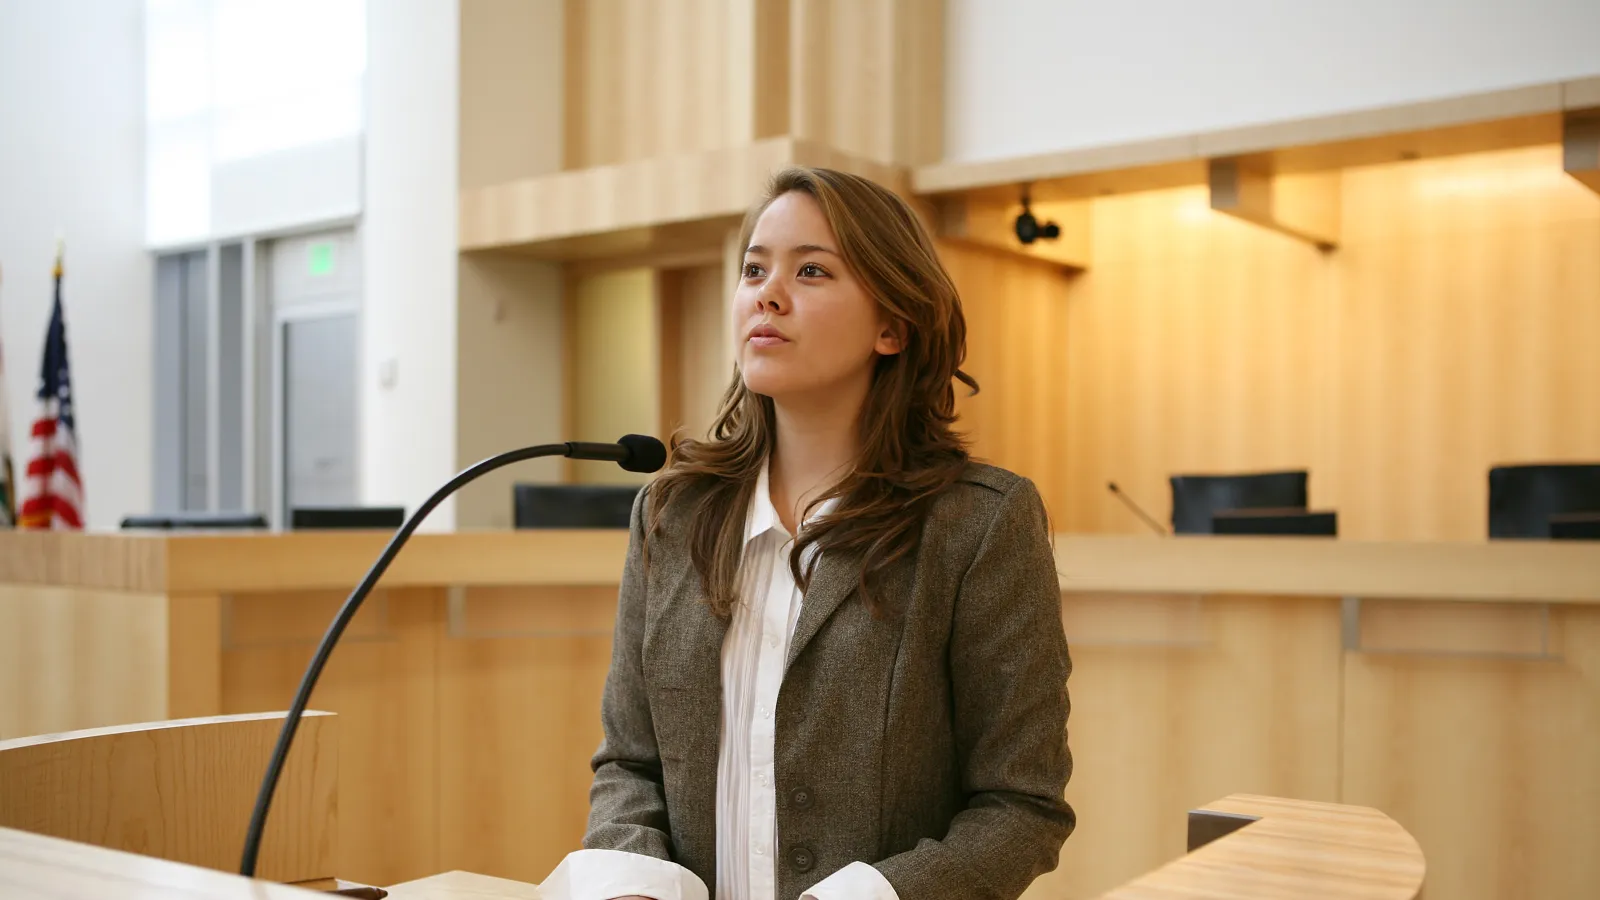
[909, 451]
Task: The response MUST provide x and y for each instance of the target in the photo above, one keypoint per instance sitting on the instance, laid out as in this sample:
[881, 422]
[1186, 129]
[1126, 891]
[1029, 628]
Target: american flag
[55, 493]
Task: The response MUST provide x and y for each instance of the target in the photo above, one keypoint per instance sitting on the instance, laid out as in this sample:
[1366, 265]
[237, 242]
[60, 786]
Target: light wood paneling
[35, 867]
[519, 698]
[1195, 343]
[511, 98]
[464, 886]
[1489, 763]
[381, 682]
[696, 363]
[1469, 298]
[1303, 206]
[1509, 571]
[670, 203]
[1158, 730]
[867, 77]
[1016, 312]
[615, 364]
[181, 790]
[992, 225]
[124, 561]
[649, 78]
[73, 657]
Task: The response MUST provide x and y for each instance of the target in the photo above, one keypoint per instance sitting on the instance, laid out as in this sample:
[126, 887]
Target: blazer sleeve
[627, 803]
[1008, 668]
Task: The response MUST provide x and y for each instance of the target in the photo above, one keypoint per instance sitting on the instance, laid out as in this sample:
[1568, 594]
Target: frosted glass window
[231, 80]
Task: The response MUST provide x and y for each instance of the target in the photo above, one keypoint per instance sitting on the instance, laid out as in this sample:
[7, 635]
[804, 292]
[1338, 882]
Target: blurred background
[1326, 269]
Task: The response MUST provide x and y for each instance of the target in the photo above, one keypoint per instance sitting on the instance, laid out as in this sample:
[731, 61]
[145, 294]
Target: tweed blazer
[930, 743]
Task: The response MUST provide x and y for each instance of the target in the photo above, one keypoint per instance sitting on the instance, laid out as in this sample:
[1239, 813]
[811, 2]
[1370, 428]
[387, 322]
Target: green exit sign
[319, 259]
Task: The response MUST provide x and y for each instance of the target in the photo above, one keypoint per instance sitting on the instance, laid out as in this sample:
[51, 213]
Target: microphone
[1127, 501]
[633, 452]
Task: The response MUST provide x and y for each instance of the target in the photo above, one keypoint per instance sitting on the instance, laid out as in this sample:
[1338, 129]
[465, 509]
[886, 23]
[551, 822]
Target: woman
[877, 707]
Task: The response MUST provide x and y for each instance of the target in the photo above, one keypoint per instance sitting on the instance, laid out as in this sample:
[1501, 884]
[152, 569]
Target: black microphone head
[645, 453]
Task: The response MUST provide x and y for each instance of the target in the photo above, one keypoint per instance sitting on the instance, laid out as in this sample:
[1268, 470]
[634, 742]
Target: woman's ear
[891, 338]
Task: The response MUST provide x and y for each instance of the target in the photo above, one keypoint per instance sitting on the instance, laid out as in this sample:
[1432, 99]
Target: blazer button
[801, 859]
[800, 798]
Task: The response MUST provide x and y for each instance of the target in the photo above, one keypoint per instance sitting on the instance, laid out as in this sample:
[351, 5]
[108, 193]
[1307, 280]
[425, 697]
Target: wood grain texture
[36, 867]
[1156, 731]
[1016, 312]
[181, 790]
[130, 561]
[382, 683]
[992, 225]
[519, 698]
[650, 78]
[1490, 763]
[705, 354]
[1468, 294]
[1509, 571]
[1194, 344]
[673, 203]
[79, 657]
[1295, 849]
[511, 90]
[867, 77]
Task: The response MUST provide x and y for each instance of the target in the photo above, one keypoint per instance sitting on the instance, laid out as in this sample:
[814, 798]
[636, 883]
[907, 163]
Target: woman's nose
[772, 298]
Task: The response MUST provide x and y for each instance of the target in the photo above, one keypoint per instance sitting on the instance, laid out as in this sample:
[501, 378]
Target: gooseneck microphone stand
[636, 453]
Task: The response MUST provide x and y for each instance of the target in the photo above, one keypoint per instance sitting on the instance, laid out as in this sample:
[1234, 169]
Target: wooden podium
[1284, 850]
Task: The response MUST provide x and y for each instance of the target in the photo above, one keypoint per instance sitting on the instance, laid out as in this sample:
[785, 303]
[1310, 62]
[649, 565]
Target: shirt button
[766, 713]
[772, 640]
[762, 710]
[760, 850]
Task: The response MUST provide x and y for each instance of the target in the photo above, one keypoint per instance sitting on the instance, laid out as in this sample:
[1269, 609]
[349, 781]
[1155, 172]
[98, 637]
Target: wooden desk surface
[1541, 571]
[1298, 849]
[464, 886]
[34, 867]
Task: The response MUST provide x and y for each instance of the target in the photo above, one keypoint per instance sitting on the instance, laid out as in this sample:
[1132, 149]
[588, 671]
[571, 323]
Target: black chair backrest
[572, 505]
[195, 521]
[1316, 523]
[1196, 498]
[336, 518]
[1523, 498]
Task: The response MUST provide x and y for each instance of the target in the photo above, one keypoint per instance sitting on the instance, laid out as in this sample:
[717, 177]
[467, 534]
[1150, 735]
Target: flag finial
[61, 251]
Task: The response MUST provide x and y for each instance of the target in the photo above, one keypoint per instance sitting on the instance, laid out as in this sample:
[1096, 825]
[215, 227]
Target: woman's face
[806, 328]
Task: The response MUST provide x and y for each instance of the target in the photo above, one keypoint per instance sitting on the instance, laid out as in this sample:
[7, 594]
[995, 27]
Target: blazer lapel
[833, 581]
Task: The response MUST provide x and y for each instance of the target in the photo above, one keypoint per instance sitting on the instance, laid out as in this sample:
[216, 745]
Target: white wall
[408, 235]
[72, 158]
[1030, 76]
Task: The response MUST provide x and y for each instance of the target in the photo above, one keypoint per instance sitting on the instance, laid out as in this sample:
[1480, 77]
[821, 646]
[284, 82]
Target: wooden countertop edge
[1295, 848]
[1498, 571]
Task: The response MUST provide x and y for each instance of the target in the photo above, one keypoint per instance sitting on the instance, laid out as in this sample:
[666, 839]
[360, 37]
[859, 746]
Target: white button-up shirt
[754, 653]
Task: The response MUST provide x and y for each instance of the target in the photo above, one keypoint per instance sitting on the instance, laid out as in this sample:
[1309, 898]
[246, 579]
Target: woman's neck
[815, 447]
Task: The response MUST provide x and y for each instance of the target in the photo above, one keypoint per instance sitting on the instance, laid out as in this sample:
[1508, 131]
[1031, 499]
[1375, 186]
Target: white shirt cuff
[857, 881]
[607, 874]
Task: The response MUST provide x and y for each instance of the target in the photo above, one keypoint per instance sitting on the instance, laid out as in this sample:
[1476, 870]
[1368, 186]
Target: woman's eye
[752, 270]
[812, 270]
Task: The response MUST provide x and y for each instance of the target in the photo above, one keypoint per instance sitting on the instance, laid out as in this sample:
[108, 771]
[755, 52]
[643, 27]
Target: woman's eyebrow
[758, 249]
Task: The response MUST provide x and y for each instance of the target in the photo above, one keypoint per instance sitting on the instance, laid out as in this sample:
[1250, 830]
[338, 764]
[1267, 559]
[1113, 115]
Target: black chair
[1303, 522]
[1197, 498]
[572, 505]
[1522, 499]
[338, 518]
[1575, 527]
[195, 521]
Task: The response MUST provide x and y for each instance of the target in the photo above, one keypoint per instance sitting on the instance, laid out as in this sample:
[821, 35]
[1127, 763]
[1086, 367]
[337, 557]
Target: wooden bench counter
[469, 684]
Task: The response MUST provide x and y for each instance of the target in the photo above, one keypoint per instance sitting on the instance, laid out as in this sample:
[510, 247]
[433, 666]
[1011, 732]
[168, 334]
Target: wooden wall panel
[867, 77]
[1469, 301]
[650, 78]
[1194, 344]
[1252, 705]
[1453, 330]
[381, 682]
[706, 354]
[614, 368]
[520, 680]
[74, 658]
[1017, 338]
[1489, 763]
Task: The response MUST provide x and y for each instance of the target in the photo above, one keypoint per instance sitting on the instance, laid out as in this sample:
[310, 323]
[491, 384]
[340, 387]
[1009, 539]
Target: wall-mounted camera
[1029, 229]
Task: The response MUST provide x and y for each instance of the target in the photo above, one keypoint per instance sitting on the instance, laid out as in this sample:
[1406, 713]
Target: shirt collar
[762, 516]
